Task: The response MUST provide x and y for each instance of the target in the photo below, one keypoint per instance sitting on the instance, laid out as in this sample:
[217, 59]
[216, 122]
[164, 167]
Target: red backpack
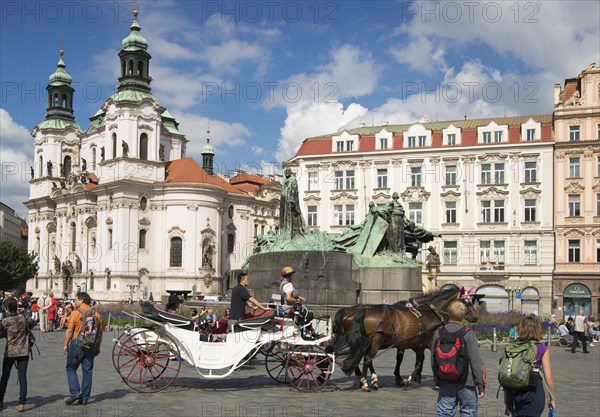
[450, 355]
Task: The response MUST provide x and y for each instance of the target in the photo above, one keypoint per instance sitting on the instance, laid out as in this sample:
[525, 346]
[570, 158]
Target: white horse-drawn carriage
[149, 359]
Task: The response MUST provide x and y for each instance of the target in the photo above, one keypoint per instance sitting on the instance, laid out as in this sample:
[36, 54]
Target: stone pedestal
[332, 278]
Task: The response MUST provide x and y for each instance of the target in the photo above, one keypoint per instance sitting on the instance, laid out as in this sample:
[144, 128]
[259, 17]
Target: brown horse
[341, 326]
[386, 326]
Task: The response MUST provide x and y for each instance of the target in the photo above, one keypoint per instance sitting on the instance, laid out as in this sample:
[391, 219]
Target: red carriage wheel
[309, 368]
[148, 362]
[276, 363]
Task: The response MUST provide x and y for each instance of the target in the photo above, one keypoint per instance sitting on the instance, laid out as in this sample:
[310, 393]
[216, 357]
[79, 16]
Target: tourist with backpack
[83, 339]
[524, 370]
[15, 328]
[457, 367]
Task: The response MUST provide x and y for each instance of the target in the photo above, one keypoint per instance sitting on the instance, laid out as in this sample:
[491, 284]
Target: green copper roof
[132, 95]
[208, 149]
[60, 76]
[58, 124]
[135, 41]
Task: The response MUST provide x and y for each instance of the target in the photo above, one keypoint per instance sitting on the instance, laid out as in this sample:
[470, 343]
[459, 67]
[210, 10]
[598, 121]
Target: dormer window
[531, 131]
[339, 146]
[451, 135]
[344, 142]
[530, 135]
[498, 136]
[383, 139]
[349, 145]
[492, 133]
[487, 137]
[383, 143]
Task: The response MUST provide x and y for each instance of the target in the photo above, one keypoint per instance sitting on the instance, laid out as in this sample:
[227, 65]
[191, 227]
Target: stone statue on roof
[49, 168]
[125, 147]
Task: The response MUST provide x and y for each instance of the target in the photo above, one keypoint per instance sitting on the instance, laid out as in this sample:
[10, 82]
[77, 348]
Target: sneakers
[73, 399]
[592, 345]
[20, 408]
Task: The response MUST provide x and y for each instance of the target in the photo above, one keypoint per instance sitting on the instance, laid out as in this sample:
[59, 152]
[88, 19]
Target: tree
[16, 266]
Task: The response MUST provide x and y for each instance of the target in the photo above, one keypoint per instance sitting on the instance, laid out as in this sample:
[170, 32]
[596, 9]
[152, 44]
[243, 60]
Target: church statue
[32, 173]
[161, 152]
[125, 147]
[56, 264]
[54, 186]
[83, 164]
[49, 168]
[291, 222]
[102, 154]
[63, 184]
[62, 170]
[78, 265]
[208, 256]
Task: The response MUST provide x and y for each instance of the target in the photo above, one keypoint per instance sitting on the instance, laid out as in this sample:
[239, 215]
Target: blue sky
[267, 75]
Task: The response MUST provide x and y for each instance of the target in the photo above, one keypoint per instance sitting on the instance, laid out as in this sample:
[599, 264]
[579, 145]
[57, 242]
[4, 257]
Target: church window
[73, 236]
[143, 203]
[93, 159]
[230, 242]
[110, 239]
[123, 68]
[41, 172]
[67, 166]
[130, 68]
[144, 147]
[176, 251]
[142, 239]
[55, 104]
[114, 145]
[63, 101]
[140, 68]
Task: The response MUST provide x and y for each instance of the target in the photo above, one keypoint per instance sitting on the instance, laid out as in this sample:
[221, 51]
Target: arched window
[140, 68]
[530, 301]
[63, 101]
[130, 68]
[142, 239]
[93, 159]
[73, 236]
[176, 251]
[144, 147]
[123, 68]
[67, 165]
[55, 103]
[110, 238]
[41, 171]
[496, 298]
[114, 145]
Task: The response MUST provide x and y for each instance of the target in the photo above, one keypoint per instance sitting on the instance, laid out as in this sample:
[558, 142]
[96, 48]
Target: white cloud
[421, 54]
[15, 160]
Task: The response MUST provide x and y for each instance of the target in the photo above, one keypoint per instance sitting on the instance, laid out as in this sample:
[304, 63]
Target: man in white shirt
[579, 330]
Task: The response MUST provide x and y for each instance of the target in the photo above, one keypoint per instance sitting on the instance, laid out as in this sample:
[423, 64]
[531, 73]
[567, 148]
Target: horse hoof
[375, 386]
[365, 389]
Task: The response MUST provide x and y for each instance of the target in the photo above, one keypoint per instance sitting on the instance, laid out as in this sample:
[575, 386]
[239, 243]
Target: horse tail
[358, 341]
[339, 339]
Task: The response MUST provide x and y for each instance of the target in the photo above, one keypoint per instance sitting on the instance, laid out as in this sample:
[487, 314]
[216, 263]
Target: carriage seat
[253, 320]
[148, 310]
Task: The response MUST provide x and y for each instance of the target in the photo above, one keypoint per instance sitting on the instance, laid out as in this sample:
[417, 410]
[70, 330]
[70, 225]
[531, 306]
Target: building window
[339, 146]
[412, 141]
[349, 145]
[499, 211]
[415, 212]
[451, 175]
[530, 252]
[530, 206]
[486, 173]
[93, 159]
[66, 167]
[574, 251]
[530, 172]
[450, 253]
[110, 239]
[422, 140]
[349, 180]
[255, 229]
[597, 250]
[73, 237]
[339, 214]
[312, 216]
[499, 251]
[349, 214]
[499, 173]
[484, 251]
[176, 251]
[114, 145]
[339, 180]
[486, 211]
[598, 131]
[142, 239]
[313, 181]
[597, 204]
[574, 205]
[574, 167]
[415, 176]
[451, 139]
[383, 143]
[144, 147]
[450, 211]
[530, 135]
[498, 136]
[230, 242]
[598, 166]
[487, 137]
[574, 133]
[382, 178]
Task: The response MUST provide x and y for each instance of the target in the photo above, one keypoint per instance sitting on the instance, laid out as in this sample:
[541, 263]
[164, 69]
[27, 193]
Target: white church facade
[119, 210]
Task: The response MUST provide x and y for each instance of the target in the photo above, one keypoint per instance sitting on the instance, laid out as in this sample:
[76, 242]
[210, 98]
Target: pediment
[344, 195]
[415, 195]
[574, 233]
[144, 221]
[492, 157]
[492, 191]
[312, 198]
[530, 193]
[208, 232]
[450, 195]
[574, 186]
[381, 195]
[176, 229]
[231, 227]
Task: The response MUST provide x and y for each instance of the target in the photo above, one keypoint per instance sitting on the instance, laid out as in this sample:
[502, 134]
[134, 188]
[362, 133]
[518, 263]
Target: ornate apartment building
[483, 184]
[577, 193]
[119, 210]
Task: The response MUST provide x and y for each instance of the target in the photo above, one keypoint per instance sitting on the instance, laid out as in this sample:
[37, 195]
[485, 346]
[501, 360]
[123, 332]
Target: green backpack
[518, 370]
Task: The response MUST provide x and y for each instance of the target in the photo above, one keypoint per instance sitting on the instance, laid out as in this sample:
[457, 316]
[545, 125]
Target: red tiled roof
[187, 172]
[249, 178]
[570, 87]
[315, 146]
[248, 188]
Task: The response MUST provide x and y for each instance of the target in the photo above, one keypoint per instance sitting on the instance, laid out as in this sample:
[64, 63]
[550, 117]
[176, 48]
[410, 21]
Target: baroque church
[119, 211]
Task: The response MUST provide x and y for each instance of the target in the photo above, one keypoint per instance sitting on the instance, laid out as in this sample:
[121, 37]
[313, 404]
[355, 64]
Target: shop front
[576, 296]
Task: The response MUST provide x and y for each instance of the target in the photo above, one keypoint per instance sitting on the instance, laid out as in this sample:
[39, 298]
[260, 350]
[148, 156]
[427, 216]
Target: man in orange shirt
[79, 355]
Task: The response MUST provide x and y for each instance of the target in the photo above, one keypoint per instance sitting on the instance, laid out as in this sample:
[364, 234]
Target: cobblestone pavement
[250, 391]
